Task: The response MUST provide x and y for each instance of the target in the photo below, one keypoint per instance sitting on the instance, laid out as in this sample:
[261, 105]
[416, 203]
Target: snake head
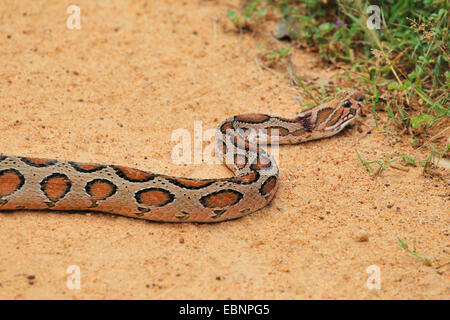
[331, 117]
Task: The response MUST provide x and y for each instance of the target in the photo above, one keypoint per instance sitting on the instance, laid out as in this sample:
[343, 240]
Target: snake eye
[347, 104]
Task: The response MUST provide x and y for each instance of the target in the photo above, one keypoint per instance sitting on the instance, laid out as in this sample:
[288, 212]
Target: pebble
[361, 236]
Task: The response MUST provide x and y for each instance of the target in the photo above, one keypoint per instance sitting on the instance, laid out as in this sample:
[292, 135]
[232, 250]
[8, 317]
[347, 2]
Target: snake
[38, 184]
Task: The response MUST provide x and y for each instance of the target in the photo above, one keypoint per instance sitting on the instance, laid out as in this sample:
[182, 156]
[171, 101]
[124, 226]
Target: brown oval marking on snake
[56, 186]
[260, 163]
[277, 131]
[245, 145]
[323, 115]
[336, 116]
[86, 167]
[155, 197]
[252, 118]
[246, 179]
[38, 162]
[221, 199]
[300, 132]
[100, 189]
[268, 185]
[133, 175]
[11, 180]
[191, 183]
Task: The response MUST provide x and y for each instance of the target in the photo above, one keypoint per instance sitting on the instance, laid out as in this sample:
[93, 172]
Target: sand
[115, 90]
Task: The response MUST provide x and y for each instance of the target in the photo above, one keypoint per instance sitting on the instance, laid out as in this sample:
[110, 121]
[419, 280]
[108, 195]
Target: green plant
[414, 253]
[382, 164]
[277, 55]
[253, 9]
[410, 160]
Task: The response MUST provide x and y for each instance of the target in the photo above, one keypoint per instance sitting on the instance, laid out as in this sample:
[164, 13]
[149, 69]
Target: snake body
[43, 184]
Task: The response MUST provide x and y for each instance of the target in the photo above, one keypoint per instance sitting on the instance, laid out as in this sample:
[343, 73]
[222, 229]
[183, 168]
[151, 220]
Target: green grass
[253, 9]
[382, 164]
[375, 167]
[403, 67]
[414, 253]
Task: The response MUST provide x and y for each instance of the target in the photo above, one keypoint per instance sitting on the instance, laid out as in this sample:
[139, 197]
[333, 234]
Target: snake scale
[43, 184]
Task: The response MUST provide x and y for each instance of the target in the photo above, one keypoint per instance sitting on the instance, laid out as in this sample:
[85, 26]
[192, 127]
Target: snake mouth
[340, 125]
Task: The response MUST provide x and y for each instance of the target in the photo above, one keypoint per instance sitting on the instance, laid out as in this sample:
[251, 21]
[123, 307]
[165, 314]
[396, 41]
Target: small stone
[280, 208]
[287, 29]
[281, 30]
[181, 240]
[361, 236]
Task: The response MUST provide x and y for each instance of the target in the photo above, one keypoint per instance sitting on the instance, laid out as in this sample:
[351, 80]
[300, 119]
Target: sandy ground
[115, 90]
